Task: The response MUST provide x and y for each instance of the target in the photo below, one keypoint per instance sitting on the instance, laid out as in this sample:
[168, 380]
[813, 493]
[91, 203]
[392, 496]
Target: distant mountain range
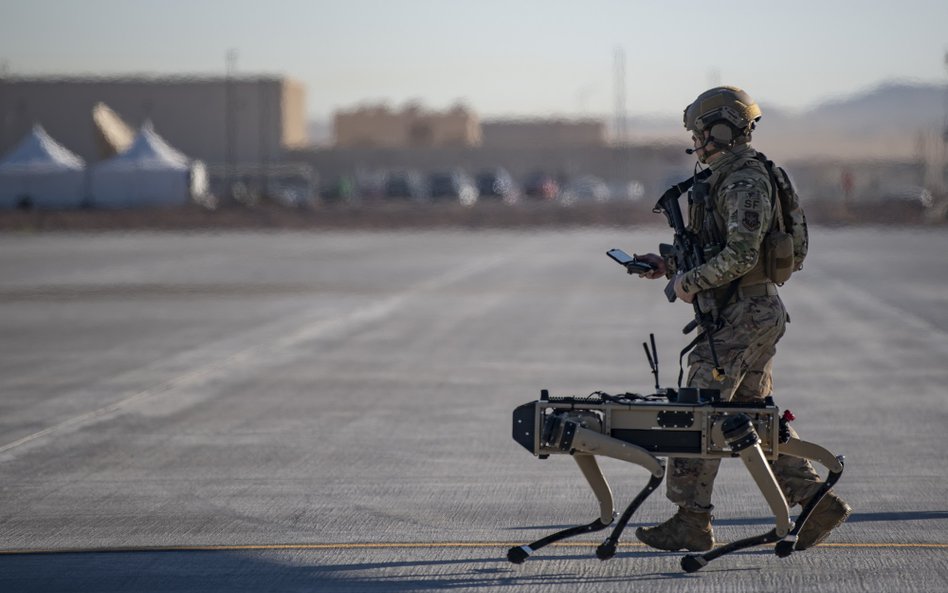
[884, 122]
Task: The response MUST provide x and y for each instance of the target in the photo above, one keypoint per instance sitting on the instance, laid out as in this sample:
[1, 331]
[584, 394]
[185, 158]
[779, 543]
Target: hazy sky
[503, 57]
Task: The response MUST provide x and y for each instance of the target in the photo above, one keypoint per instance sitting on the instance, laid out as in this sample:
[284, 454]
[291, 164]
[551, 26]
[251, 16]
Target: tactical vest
[784, 245]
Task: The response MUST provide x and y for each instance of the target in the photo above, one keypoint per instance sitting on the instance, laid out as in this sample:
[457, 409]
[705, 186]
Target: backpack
[786, 245]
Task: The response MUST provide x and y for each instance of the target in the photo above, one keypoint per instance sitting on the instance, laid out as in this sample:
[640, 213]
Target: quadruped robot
[684, 422]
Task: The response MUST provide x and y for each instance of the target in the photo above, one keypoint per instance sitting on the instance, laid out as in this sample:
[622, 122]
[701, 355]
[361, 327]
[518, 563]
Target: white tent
[148, 173]
[41, 173]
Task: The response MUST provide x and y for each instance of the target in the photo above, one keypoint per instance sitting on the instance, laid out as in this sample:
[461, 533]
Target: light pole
[621, 133]
[944, 138]
[944, 131]
[230, 120]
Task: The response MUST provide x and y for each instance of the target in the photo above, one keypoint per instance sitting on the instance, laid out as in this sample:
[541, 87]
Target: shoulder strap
[780, 212]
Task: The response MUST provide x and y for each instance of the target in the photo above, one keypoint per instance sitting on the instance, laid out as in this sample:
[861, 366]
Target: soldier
[731, 226]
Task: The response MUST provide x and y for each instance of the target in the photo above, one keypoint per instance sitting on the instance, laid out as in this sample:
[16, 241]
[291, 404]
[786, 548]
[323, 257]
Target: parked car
[541, 186]
[627, 190]
[369, 185]
[342, 189]
[405, 185]
[293, 193]
[585, 188]
[498, 184]
[452, 185]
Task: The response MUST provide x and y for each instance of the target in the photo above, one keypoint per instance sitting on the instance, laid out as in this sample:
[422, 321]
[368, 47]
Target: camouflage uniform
[743, 209]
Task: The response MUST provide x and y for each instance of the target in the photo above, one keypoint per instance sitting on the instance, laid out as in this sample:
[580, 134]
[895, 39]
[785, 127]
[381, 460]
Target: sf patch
[748, 206]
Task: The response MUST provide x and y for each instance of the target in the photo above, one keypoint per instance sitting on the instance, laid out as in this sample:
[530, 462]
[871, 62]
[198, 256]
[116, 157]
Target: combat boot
[686, 530]
[827, 516]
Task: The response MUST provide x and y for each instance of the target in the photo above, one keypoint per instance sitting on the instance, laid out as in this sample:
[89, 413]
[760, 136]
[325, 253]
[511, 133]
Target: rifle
[688, 254]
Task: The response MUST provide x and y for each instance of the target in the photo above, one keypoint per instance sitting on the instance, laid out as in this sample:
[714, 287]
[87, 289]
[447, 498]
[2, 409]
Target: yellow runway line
[386, 546]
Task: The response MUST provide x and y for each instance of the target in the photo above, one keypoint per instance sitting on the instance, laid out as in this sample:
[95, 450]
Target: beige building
[543, 133]
[412, 127]
[240, 120]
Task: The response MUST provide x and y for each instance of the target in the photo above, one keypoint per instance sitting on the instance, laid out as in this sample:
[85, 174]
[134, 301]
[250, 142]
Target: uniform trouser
[745, 347]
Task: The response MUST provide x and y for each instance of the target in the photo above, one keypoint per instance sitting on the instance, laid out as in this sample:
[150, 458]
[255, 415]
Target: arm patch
[749, 209]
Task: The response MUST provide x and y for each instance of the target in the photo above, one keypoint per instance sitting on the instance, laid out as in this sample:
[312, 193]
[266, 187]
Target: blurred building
[411, 127]
[246, 119]
[544, 133]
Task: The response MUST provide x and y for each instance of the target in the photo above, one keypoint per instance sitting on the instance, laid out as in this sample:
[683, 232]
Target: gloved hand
[657, 263]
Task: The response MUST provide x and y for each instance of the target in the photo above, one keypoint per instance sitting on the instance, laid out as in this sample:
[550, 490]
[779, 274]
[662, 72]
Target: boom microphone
[694, 150]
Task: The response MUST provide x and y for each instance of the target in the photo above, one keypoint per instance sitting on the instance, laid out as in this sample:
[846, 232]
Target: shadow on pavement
[210, 571]
[299, 570]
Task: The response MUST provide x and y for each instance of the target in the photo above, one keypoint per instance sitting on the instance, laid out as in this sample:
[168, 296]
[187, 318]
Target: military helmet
[722, 105]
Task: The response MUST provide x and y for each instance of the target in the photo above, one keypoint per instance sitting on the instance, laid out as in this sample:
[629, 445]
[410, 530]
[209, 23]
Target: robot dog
[684, 422]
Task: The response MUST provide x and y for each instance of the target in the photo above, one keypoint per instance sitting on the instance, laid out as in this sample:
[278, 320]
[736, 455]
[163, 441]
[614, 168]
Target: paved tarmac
[330, 411]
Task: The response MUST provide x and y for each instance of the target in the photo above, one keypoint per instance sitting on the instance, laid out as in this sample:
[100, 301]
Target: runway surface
[330, 411]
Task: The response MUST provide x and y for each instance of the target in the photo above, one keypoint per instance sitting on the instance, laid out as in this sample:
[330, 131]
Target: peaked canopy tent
[41, 173]
[148, 173]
